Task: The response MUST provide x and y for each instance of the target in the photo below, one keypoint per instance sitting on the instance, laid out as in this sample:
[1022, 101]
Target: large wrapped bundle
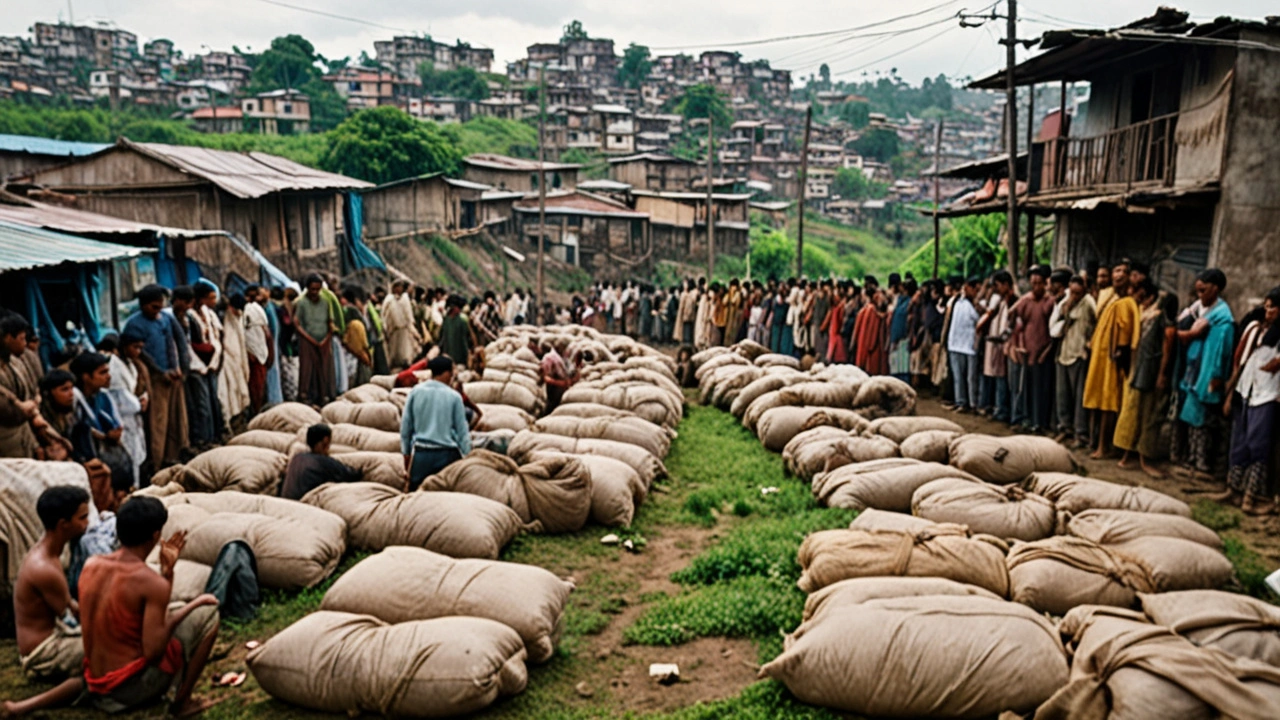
[1007, 460]
[342, 663]
[524, 376]
[589, 410]
[720, 360]
[510, 364]
[929, 445]
[1057, 574]
[616, 489]
[376, 415]
[728, 384]
[1117, 526]
[824, 448]
[503, 417]
[657, 362]
[270, 439]
[776, 360]
[512, 393]
[644, 376]
[830, 556]
[750, 349]
[779, 425]
[644, 462]
[837, 598]
[1177, 564]
[654, 438]
[898, 429]
[386, 382]
[827, 394]
[378, 467]
[1236, 624]
[758, 407]
[243, 468]
[1124, 667]
[703, 356]
[356, 437]
[553, 492]
[767, 383]
[366, 393]
[402, 584]
[1007, 512]
[872, 519]
[296, 546]
[938, 656]
[652, 403]
[1075, 494]
[882, 395]
[882, 484]
[287, 417]
[21, 483]
[454, 524]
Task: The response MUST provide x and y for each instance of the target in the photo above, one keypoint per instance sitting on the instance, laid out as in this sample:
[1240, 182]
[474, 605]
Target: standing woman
[836, 350]
[1252, 406]
[1146, 396]
[129, 390]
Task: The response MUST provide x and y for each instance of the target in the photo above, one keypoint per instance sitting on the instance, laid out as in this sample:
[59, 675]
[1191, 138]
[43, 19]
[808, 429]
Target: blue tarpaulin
[357, 255]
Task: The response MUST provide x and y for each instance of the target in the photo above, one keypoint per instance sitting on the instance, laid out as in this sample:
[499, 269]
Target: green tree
[773, 255]
[824, 72]
[384, 144]
[969, 246]
[463, 82]
[879, 144]
[574, 31]
[80, 126]
[856, 113]
[853, 184]
[702, 101]
[635, 66]
[292, 62]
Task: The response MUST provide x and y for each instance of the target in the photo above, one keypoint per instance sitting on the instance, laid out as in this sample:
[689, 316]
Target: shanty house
[292, 214]
[432, 204]
[594, 232]
[1174, 161]
[678, 222]
[654, 171]
[25, 152]
[516, 174]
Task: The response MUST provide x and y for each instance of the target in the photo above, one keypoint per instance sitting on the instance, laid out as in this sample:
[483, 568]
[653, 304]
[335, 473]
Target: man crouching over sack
[138, 647]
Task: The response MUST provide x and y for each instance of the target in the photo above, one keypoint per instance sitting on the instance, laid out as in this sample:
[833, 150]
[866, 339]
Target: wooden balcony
[1142, 155]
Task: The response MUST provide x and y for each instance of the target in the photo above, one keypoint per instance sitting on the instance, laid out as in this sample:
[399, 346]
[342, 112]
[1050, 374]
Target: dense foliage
[635, 66]
[292, 62]
[385, 143]
[463, 82]
[853, 184]
[880, 144]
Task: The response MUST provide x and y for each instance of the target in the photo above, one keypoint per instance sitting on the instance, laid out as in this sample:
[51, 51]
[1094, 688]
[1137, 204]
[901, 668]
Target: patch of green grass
[761, 549]
[768, 700]
[1216, 516]
[1250, 568]
[746, 607]
[446, 248]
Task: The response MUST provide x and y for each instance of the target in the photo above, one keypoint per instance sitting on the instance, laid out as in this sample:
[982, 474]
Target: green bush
[765, 548]
[747, 607]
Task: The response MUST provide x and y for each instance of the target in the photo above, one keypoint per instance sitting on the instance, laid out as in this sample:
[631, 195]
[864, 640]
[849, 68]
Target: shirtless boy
[137, 645]
[48, 649]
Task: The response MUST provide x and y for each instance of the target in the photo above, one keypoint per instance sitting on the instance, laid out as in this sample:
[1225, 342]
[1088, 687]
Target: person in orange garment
[869, 337]
[137, 645]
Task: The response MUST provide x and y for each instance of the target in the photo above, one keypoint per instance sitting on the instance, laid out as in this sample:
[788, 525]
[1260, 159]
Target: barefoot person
[48, 649]
[1146, 396]
[137, 646]
[1111, 352]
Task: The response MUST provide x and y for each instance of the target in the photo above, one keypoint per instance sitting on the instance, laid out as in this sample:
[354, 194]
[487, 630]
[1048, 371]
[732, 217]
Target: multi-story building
[278, 112]
[404, 54]
[366, 88]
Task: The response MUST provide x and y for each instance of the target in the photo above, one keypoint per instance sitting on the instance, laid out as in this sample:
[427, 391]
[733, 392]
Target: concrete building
[277, 112]
[404, 54]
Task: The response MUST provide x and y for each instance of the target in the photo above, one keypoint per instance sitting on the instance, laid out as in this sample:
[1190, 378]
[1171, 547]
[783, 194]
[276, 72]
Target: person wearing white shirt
[962, 347]
[1253, 407]
[258, 344]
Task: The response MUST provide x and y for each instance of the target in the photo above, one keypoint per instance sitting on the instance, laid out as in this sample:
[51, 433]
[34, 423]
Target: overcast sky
[932, 43]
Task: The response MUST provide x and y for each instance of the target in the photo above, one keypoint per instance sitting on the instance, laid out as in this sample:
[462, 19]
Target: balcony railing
[1142, 154]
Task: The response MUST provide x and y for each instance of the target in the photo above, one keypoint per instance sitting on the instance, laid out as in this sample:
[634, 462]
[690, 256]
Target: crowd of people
[1103, 359]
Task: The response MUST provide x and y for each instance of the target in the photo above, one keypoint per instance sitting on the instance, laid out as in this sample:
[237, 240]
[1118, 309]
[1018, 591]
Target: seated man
[308, 471]
[48, 649]
[137, 646]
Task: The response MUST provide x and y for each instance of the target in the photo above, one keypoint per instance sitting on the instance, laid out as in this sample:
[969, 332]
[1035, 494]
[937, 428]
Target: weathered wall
[408, 207]
[118, 168]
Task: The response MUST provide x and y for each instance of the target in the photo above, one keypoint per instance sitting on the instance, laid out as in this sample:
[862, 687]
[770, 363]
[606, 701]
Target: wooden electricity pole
[1011, 139]
[804, 189]
[937, 198]
[542, 184]
[1031, 136]
[711, 210]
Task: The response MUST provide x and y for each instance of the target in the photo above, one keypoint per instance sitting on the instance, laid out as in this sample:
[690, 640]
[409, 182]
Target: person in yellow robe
[733, 307]
[1110, 353]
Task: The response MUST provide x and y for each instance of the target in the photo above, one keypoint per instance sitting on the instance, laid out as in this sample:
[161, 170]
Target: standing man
[135, 647]
[200, 378]
[1111, 354]
[686, 314]
[315, 344]
[433, 431]
[1212, 340]
[455, 336]
[162, 353]
[19, 401]
[397, 317]
[260, 346]
[962, 346]
[1072, 324]
[1031, 349]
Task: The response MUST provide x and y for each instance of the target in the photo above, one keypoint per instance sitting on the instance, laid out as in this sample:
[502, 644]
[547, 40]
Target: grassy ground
[713, 588]
[857, 251]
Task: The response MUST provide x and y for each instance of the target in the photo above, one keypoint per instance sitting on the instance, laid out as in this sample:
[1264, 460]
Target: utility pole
[1031, 136]
[937, 198]
[542, 183]
[711, 220]
[804, 189]
[1011, 110]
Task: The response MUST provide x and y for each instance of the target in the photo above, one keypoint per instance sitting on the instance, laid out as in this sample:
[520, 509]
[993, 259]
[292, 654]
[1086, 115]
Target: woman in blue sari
[1211, 341]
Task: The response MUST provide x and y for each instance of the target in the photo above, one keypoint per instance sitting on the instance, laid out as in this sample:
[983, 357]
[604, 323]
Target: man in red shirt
[556, 373]
[1030, 351]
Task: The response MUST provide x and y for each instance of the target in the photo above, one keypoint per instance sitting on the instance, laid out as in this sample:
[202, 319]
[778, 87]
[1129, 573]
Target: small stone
[610, 539]
[665, 673]
[583, 690]
[629, 546]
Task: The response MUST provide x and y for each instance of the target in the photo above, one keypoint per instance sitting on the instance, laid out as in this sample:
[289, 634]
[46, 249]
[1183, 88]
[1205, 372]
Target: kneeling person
[309, 470]
[137, 646]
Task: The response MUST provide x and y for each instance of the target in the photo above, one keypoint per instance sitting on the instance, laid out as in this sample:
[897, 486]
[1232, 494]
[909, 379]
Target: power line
[890, 56]
[804, 36]
[882, 38]
[336, 16]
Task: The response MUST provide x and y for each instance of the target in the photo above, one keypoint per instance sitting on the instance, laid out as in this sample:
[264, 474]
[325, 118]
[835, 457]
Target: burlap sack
[239, 468]
[1124, 668]
[779, 425]
[719, 361]
[758, 407]
[898, 429]
[616, 489]
[270, 439]
[402, 584]
[829, 451]
[829, 556]
[504, 393]
[493, 441]
[454, 524]
[376, 415]
[589, 410]
[776, 360]
[882, 484]
[749, 349]
[729, 384]
[503, 417]
[703, 356]
[644, 462]
[1117, 526]
[943, 656]
[872, 519]
[287, 417]
[882, 395]
[1178, 564]
[1007, 460]
[1075, 494]
[189, 580]
[21, 483]
[367, 393]
[836, 599]
[297, 448]
[1236, 624]
[929, 446]
[1007, 512]
[343, 663]
[767, 383]
[386, 382]
[361, 438]
[1057, 574]
[652, 403]
[296, 546]
[383, 468]
[641, 376]
[554, 492]
[826, 394]
[633, 430]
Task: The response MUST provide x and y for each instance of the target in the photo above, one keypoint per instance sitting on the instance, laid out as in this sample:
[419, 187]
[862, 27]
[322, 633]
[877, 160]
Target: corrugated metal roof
[47, 146]
[503, 162]
[245, 175]
[23, 247]
[70, 220]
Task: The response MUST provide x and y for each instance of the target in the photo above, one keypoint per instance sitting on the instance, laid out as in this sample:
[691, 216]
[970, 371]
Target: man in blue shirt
[434, 430]
[164, 353]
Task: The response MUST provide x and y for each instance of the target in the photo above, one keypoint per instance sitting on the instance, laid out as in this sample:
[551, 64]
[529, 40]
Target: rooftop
[23, 247]
[210, 113]
[651, 157]
[45, 146]
[502, 162]
[581, 203]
